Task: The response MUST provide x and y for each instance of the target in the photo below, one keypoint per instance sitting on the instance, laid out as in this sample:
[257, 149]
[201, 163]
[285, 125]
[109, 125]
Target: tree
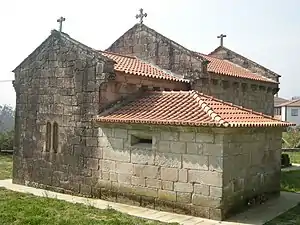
[7, 118]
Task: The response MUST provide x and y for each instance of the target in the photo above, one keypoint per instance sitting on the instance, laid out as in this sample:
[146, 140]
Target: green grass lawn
[290, 181]
[19, 209]
[291, 217]
[5, 166]
[294, 156]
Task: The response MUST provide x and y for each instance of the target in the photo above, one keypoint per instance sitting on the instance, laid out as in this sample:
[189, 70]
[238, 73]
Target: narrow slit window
[48, 136]
[55, 137]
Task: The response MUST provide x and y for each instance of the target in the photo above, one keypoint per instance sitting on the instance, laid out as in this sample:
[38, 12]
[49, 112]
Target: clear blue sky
[266, 31]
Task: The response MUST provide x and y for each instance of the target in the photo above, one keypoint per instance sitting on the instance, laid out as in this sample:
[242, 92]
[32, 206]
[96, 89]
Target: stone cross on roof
[221, 36]
[141, 15]
[60, 21]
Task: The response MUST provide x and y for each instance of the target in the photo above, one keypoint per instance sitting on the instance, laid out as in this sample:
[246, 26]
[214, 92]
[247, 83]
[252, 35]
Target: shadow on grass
[291, 217]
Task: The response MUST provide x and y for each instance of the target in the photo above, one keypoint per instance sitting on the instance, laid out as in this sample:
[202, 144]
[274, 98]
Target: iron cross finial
[141, 15]
[60, 21]
[221, 36]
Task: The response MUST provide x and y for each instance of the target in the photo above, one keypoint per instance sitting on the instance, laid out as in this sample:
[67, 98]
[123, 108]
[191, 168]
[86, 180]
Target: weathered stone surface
[205, 137]
[168, 160]
[146, 171]
[185, 136]
[124, 178]
[108, 165]
[206, 177]
[153, 183]
[116, 154]
[142, 157]
[206, 201]
[120, 133]
[215, 191]
[167, 195]
[183, 187]
[124, 168]
[183, 197]
[197, 162]
[178, 147]
[167, 185]
[194, 148]
[138, 181]
[169, 136]
[202, 189]
[169, 174]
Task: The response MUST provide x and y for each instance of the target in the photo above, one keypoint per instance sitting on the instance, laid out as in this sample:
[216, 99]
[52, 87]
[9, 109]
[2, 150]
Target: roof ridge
[118, 54]
[238, 66]
[155, 33]
[57, 34]
[192, 53]
[171, 110]
[78, 43]
[238, 106]
[206, 108]
[274, 73]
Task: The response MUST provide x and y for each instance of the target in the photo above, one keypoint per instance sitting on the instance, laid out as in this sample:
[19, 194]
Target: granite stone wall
[251, 167]
[151, 46]
[203, 172]
[255, 95]
[59, 82]
[147, 44]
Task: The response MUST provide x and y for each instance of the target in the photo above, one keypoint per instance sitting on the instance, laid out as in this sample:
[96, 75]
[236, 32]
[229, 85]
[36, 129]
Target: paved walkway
[257, 215]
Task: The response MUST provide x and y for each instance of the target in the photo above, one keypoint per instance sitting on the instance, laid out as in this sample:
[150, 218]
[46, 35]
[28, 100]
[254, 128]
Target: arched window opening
[48, 136]
[55, 137]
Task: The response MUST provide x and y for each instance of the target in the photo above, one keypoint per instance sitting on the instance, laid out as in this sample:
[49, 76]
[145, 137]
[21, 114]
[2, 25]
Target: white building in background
[288, 111]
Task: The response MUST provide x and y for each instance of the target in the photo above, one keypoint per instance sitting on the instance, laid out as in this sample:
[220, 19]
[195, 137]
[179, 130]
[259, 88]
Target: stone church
[147, 122]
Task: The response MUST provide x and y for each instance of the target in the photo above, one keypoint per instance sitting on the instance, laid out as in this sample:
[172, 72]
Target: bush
[285, 160]
[6, 140]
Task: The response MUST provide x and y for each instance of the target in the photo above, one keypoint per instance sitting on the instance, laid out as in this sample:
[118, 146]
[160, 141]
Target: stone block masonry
[198, 178]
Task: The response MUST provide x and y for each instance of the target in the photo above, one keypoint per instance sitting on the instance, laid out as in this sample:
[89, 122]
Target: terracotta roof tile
[228, 68]
[189, 108]
[136, 66]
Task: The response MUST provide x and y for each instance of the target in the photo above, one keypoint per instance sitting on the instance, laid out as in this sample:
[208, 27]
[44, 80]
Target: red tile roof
[136, 66]
[188, 108]
[228, 68]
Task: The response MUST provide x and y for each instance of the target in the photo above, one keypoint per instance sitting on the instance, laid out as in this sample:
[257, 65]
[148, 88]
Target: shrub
[6, 140]
[285, 160]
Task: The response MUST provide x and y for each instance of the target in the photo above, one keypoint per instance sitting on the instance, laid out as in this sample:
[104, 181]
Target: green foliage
[6, 166]
[7, 118]
[285, 160]
[291, 138]
[6, 140]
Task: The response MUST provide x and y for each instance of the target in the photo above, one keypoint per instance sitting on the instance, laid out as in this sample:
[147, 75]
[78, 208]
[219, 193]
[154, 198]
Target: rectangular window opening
[294, 112]
[141, 141]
